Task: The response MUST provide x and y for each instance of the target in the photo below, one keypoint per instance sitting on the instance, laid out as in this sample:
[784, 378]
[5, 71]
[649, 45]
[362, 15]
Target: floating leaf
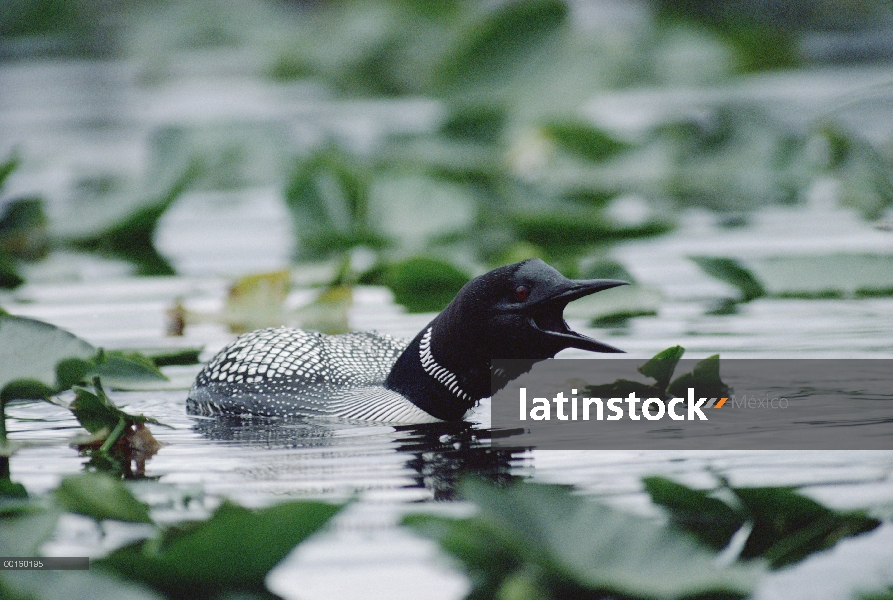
[100, 497]
[132, 237]
[328, 196]
[424, 284]
[493, 45]
[96, 412]
[732, 272]
[31, 350]
[662, 365]
[171, 357]
[9, 275]
[119, 368]
[583, 139]
[7, 167]
[711, 520]
[232, 552]
[704, 379]
[786, 526]
[570, 545]
[23, 231]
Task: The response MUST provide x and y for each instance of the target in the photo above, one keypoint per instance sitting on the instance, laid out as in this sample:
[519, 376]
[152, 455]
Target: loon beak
[548, 318]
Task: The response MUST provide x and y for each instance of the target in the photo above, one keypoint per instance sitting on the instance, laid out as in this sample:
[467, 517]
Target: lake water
[212, 237]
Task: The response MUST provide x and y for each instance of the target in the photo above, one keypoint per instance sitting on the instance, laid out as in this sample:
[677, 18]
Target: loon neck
[428, 377]
[440, 373]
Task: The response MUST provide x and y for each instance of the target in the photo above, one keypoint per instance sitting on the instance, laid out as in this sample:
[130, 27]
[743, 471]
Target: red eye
[521, 293]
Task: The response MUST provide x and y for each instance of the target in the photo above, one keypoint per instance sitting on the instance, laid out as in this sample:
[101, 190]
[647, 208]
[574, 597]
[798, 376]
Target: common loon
[514, 311]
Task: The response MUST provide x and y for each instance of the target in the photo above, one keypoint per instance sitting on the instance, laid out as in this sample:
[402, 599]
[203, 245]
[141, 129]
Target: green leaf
[788, 527]
[573, 544]
[119, 368]
[26, 389]
[704, 378]
[179, 356]
[424, 284]
[66, 585]
[710, 520]
[584, 140]
[662, 365]
[9, 275]
[132, 237]
[23, 229]
[732, 272]
[96, 412]
[328, 197]
[231, 552]
[10, 489]
[72, 371]
[7, 167]
[32, 350]
[25, 529]
[492, 45]
[100, 497]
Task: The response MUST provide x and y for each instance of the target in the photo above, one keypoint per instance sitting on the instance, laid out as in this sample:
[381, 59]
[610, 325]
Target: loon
[514, 311]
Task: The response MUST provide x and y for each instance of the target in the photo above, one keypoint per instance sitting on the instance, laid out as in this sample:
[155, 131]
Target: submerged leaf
[231, 552]
[100, 497]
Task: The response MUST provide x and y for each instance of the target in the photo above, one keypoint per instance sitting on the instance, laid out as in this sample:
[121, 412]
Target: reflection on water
[436, 456]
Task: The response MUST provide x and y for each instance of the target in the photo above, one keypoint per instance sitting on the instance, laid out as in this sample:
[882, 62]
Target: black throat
[445, 370]
[433, 382]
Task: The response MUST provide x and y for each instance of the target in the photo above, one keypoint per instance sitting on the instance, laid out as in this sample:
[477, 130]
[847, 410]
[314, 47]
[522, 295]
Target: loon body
[515, 311]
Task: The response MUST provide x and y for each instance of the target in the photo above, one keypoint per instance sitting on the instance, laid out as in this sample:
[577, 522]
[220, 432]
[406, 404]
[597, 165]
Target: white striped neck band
[443, 375]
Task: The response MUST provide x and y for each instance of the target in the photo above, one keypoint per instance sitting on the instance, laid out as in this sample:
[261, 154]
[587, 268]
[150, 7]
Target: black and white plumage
[511, 312]
[282, 372]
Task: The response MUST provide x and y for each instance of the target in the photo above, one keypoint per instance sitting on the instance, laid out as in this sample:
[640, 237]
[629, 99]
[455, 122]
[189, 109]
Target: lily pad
[132, 236]
[232, 552]
[583, 139]
[493, 45]
[31, 349]
[100, 497]
[732, 272]
[786, 527]
[570, 546]
[424, 284]
[38, 360]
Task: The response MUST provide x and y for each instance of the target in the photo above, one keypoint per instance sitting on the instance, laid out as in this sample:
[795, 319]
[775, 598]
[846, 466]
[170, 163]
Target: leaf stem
[113, 436]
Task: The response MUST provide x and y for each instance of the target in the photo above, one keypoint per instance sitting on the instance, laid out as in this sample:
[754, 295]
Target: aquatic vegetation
[23, 231]
[132, 236]
[783, 526]
[537, 541]
[704, 377]
[229, 551]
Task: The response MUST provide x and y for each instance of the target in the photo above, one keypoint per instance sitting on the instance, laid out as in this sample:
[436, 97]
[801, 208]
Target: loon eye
[521, 293]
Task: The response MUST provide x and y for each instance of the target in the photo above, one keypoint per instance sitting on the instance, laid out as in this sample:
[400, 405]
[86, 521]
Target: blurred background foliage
[503, 159]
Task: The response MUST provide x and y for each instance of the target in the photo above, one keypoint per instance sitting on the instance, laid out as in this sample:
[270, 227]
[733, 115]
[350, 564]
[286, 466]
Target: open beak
[548, 316]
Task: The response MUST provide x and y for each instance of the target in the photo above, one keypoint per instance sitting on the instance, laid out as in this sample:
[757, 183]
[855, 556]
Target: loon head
[515, 311]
